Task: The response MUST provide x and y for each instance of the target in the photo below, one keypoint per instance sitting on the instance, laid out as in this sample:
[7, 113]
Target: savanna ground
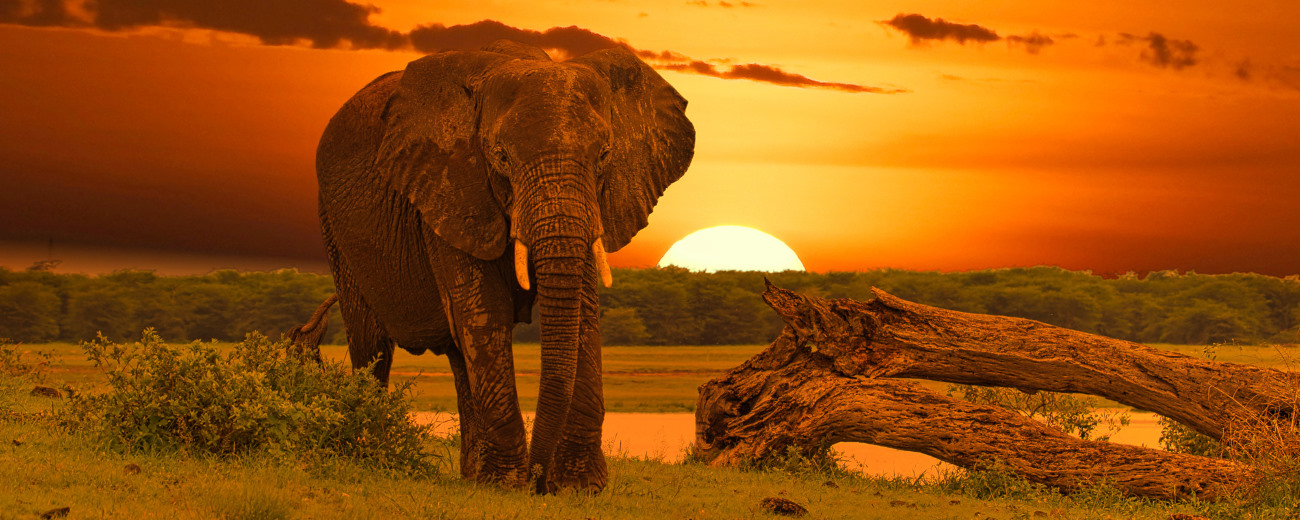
[44, 466]
[657, 379]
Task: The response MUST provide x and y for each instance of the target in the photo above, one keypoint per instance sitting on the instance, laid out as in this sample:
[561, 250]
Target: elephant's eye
[500, 157]
[604, 155]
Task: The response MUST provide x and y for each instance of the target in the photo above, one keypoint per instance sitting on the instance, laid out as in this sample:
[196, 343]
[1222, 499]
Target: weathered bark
[892, 337]
[820, 383]
[790, 396]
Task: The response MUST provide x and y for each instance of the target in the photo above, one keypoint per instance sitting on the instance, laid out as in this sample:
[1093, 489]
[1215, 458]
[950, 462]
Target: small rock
[1185, 516]
[18, 442]
[45, 391]
[877, 494]
[782, 506]
[830, 484]
[954, 502]
[58, 512]
[132, 469]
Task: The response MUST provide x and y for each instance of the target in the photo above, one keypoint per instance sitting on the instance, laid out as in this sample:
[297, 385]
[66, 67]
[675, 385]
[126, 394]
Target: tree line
[672, 306]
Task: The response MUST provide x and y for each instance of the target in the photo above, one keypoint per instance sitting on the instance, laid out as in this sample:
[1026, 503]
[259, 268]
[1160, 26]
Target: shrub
[257, 398]
[1074, 415]
[820, 461]
[1177, 437]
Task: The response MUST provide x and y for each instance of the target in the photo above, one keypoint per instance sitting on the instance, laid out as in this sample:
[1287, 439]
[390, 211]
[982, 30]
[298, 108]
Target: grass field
[44, 467]
[639, 379]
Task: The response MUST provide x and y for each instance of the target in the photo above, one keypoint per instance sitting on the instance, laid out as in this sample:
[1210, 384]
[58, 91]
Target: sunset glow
[934, 135]
[731, 248]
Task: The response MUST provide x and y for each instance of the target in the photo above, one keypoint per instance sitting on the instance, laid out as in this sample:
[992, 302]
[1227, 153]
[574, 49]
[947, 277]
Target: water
[667, 435]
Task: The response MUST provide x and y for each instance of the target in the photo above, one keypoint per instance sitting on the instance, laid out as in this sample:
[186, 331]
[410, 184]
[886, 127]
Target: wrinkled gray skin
[432, 177]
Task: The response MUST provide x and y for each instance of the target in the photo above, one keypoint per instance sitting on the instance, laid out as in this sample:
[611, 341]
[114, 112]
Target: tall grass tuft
[260, 398]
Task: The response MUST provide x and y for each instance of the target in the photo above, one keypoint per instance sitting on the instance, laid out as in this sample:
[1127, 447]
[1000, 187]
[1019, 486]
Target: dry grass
[1269, 440]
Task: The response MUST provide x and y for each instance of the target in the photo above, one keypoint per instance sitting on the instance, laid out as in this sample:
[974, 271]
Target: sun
[731, 248]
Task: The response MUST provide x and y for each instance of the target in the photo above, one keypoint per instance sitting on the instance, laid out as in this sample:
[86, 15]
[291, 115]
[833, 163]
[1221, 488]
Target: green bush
[1177, 437]
[1074, 415]
[258, 398]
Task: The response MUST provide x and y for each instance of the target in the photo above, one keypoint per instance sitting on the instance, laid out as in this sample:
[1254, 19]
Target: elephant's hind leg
[368, 341]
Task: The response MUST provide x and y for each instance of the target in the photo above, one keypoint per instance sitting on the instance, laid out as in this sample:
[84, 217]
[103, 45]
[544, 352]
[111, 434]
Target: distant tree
[277, 302]
[206, 309]
[621, 326]
[1204, 322]
[100, 309]
[29, 312]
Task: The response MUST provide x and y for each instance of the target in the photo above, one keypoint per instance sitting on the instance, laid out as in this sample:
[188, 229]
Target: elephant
[458, 193]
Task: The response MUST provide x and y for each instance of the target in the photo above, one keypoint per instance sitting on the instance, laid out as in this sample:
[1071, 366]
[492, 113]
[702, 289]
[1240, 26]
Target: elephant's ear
[431, 153]
[652, 142]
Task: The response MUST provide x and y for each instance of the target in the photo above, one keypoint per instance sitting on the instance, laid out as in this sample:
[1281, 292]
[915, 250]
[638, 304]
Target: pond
[667, 435]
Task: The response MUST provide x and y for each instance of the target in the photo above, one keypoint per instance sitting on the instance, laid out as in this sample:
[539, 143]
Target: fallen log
[825, 380]
[892, 337]
[790, 396]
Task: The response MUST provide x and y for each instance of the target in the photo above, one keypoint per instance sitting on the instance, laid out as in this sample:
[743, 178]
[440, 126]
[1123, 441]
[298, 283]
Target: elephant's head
[505, 151]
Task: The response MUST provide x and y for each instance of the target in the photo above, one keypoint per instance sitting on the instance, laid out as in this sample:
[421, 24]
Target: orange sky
[1143, 136]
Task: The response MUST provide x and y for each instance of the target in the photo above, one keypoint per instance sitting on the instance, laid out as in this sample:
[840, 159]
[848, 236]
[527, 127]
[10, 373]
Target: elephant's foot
[508, 475]
[579, 466]
[505, 467]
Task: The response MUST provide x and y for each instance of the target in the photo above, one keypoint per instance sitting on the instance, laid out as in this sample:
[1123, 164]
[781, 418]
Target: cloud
[920, 29]
[39, 13]
[1164, 52]
[1286, 76]
[1032, 42]
[321, 23]
[575, 41]
[1242, 70]
[343, 24]
[765, 74]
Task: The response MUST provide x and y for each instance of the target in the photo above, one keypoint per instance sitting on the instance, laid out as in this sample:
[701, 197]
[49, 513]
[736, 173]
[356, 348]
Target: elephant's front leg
[480, 313]
[579, 461]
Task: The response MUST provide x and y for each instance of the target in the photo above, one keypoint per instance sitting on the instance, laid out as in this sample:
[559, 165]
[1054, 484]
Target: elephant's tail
[305, 340]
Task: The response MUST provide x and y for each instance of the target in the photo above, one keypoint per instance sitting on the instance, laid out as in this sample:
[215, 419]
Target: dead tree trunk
[819, 383]
[892, 337]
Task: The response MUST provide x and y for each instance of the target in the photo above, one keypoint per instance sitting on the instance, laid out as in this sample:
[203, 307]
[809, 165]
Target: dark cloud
[1032, 42]
[1285, 76]
[575, 41]
[39, 13]
[322, 23]
[1242, 70]
[766, 74]
[343, 24]
[1164, 52]
[920, 29]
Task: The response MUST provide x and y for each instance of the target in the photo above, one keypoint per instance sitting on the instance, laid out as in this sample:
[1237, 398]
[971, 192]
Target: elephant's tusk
[521, 264]
[602, 263]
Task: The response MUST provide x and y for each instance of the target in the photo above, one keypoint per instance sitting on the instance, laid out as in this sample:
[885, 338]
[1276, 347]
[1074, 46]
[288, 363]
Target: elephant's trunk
[556, 226]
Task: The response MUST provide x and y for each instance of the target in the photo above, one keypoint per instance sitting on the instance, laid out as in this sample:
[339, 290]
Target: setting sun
[731, 248]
